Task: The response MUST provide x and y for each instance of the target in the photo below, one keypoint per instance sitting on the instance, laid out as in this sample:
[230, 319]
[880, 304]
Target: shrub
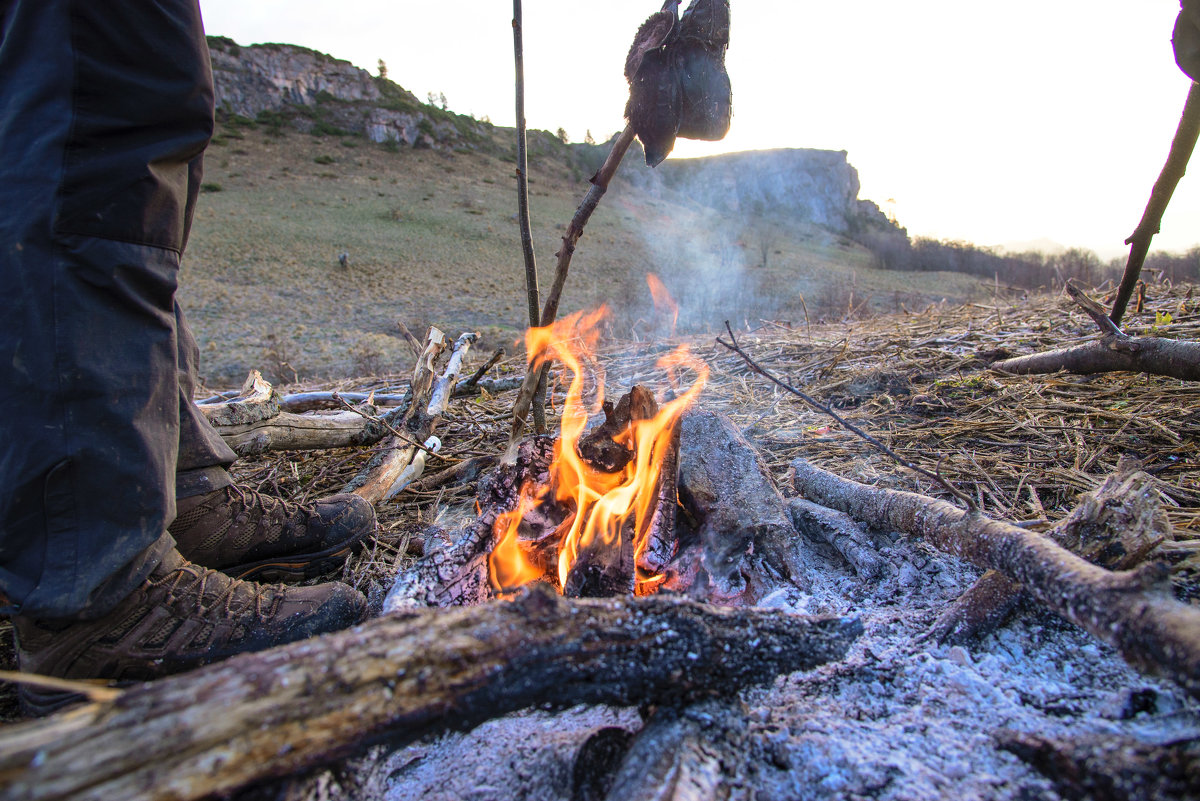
[324, 159]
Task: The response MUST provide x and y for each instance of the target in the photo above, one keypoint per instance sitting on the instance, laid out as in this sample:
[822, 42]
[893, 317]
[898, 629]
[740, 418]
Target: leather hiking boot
[183, 616]
[254, 536]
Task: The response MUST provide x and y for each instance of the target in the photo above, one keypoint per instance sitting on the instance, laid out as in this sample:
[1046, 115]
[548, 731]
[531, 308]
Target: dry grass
[1024, 446]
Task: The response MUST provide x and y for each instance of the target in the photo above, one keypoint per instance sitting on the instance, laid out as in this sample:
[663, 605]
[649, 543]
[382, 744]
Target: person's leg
[103, 108]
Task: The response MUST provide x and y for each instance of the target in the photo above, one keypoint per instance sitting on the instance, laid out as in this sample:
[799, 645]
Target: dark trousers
[105, 109]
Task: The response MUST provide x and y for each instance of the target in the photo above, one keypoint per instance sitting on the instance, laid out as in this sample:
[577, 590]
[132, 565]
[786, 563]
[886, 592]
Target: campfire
[602, 521]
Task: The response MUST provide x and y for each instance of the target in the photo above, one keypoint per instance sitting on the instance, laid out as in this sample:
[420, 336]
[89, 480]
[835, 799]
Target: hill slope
[430, 228]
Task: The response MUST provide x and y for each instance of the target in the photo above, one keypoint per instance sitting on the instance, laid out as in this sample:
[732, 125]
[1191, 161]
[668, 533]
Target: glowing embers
[602, 520]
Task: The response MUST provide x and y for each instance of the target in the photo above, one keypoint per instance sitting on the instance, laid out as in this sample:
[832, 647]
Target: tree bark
[1132, 611]
[1166, 357]
[273, 713]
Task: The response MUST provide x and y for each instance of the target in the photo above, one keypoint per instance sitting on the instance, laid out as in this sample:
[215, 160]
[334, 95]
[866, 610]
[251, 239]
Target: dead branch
[1177, 160]
[591, 200]
[402, 458]
[301, 432]
[1116, 526]
[1114, 351]
[1132, 611]
[1151, 355]
[274, 713]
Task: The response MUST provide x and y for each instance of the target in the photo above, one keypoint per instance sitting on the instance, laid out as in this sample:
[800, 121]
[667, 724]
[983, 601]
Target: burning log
[458, 574]
[274, 713]
[1133, 610]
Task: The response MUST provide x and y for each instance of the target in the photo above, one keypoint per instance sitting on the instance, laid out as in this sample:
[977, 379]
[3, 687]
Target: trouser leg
[103, 106]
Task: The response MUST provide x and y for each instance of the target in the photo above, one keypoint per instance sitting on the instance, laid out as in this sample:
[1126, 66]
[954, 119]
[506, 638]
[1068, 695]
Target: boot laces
[192, 579]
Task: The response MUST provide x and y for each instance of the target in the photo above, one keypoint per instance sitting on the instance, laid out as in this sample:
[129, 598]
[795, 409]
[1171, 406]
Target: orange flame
[603, 503]
[663, 302]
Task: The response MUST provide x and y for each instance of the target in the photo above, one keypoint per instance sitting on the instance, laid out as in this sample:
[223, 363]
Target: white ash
[900, 718]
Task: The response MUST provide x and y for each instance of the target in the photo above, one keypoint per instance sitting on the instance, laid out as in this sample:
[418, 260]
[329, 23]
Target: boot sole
[297, 567]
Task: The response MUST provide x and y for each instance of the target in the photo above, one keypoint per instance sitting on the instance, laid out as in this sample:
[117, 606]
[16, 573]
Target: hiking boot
[254, 536]
[183, 616]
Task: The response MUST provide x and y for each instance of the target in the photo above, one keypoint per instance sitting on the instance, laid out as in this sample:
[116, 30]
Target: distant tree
[382, 69]
[438, 100]
[588, 139]
[561, 133]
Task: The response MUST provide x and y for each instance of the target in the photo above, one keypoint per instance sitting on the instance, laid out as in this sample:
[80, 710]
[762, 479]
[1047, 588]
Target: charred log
[1111, 768]
[277, 712]
[601, 447]
[689, 754]
[745, 535]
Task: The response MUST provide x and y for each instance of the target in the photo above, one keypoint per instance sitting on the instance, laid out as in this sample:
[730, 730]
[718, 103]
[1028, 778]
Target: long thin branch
[591, 200]
[821, 407]
[1177, 160]
[532, 292]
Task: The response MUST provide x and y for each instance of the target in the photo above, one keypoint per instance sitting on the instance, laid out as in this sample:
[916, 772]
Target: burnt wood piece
[745, 533]
[456, 574]
[983, 608]
[842, 532]
[690, 754]
[1115, 526]
[599, 447]
[277, 712]
[597, 761]
[1111, 768]
[662, 540]
[1132, 610]
[603, 569]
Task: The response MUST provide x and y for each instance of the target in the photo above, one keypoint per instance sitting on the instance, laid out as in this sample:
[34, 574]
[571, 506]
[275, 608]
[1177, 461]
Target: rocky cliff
[817, 186]
[285, 84]
[280, 84]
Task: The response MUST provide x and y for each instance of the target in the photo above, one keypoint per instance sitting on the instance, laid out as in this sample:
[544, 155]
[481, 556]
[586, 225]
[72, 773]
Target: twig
[1139, 241]
[535, 377]
[821, 407]
[482, 371]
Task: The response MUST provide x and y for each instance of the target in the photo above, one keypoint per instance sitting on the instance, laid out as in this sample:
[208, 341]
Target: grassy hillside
[432, 239]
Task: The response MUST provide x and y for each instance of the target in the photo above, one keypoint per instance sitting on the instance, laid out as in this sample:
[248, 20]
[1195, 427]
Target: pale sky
[992, 123]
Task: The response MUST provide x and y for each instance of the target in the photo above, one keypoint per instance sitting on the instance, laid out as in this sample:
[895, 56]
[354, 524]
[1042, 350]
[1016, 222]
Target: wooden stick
[1132, 611]
[536, 375]
[1177, 160]
[277, 712]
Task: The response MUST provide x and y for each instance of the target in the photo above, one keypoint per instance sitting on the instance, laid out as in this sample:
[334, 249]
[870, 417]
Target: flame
[603, 504]
[662, 299]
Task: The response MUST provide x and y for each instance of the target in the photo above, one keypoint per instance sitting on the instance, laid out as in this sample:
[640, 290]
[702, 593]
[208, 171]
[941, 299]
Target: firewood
[1111, 768]
[257, 400]
[692, 754]
[1115, 526]
[274, 713]
[839, 530]
[745, 532]
[385, 474]
[301, 432]
[1132, 610]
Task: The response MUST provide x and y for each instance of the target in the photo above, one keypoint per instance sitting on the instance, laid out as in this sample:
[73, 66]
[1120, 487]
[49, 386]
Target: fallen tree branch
[1133, 611]
[1114, 351]
[1177, 160]
[277, 712]
[1152, 355]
